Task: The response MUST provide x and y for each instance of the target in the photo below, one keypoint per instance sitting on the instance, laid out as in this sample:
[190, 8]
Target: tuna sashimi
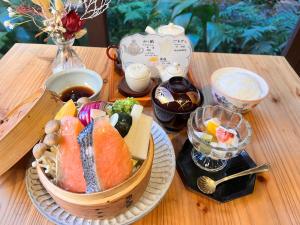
[111, 154]
[70, 171]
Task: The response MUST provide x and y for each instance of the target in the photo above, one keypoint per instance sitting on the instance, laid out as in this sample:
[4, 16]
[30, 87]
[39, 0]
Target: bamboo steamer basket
[23, 126]
[105, 204]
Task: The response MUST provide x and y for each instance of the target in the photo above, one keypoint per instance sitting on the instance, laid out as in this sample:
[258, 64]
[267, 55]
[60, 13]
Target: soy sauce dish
[74, 84]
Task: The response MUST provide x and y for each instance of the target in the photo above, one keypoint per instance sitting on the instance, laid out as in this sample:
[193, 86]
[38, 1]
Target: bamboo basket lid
[23, 126]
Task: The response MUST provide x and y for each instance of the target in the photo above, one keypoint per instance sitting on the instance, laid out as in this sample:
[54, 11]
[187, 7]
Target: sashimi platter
[95, 158]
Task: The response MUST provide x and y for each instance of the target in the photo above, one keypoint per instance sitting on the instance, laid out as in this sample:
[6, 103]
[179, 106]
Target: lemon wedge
[68, 109]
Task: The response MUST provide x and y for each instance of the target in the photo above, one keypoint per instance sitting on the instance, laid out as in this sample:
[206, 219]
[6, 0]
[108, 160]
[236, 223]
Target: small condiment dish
[238, 89]
[61, 81]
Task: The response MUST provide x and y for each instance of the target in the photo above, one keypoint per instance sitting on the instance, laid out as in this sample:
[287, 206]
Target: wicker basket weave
[105, 204]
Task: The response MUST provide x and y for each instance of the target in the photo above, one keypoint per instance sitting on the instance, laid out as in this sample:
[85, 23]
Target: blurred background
[257, 26]
[250, 26]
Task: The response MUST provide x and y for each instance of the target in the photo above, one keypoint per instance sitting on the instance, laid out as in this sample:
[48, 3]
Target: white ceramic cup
[137, 77]
[59, 82]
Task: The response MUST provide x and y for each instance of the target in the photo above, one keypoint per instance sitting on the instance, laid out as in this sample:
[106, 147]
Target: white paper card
[155, 50]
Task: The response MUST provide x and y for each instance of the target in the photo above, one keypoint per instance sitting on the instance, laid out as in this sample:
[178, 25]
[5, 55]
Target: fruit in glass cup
[217, 135]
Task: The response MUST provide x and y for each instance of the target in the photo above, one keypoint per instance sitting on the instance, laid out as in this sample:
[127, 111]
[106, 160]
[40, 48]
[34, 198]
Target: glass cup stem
[207, 163]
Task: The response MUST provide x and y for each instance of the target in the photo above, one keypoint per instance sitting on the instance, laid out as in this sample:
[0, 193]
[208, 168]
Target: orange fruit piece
[68, 109]
[212, 126]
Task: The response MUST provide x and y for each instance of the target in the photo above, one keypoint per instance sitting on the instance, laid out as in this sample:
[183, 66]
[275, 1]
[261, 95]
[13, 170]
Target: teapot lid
[175, 70]
[171, 29]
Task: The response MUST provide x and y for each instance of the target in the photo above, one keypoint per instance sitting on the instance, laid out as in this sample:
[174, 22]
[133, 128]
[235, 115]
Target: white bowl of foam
[238, 89]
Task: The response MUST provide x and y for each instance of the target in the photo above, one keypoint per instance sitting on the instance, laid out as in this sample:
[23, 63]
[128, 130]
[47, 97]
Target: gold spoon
[208, 185]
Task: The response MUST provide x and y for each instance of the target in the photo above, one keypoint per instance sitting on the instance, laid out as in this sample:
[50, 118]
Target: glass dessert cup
[210, 155]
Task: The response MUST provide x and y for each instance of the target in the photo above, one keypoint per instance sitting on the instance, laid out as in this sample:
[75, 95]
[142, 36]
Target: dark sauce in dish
[75, 93]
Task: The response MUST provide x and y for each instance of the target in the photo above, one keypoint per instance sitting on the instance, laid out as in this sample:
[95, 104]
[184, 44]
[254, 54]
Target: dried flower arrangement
[60, 19]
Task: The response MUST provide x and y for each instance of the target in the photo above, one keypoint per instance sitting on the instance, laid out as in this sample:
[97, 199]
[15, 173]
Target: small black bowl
[171, 120]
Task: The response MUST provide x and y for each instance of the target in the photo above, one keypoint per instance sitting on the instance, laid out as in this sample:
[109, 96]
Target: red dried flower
[72, 23]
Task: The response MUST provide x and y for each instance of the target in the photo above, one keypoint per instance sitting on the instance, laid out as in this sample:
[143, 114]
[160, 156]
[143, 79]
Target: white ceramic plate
[162, 174]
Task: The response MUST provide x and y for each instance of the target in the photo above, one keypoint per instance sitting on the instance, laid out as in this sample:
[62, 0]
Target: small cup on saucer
[137, 77]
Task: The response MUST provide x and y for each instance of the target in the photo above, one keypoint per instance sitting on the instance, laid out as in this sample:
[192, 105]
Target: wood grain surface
[20, 121]
[276, 140]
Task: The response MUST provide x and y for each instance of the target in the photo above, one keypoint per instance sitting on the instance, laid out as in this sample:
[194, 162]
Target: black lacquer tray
[226, 191]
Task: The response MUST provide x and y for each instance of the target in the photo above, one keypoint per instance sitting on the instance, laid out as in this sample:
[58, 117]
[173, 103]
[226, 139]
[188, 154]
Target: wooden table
[276, 140]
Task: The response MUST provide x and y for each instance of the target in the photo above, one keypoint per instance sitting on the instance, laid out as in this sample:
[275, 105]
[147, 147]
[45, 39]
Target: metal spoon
[208, 185]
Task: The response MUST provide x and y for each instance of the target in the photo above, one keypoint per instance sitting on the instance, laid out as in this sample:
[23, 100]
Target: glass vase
[66, 58]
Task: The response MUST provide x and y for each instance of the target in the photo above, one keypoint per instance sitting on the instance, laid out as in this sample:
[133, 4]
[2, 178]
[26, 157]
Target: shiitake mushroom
[51, 139]
[52, 126]
[38, 150]
[82, 101]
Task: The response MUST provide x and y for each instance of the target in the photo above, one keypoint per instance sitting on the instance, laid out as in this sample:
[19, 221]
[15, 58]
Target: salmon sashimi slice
[111, 155]
[70, 172]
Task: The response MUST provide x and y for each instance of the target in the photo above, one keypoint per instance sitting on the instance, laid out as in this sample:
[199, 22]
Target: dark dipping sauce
[76, 93]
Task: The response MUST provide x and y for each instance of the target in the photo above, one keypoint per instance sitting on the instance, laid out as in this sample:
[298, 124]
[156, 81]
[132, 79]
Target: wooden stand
[115, 78]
